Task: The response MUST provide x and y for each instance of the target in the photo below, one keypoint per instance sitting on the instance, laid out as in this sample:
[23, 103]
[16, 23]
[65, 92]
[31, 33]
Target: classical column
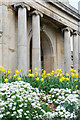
[22, 39]
[75, 50]
[1, 35]
[67, 50]
[36, 49]
[0, 48]
[79, 35]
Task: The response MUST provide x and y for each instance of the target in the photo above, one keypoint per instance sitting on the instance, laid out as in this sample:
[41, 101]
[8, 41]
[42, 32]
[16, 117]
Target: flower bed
[20, 100]
[39, 96]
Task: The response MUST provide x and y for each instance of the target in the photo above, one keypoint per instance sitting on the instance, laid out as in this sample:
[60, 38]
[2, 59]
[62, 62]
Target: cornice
[66, 8]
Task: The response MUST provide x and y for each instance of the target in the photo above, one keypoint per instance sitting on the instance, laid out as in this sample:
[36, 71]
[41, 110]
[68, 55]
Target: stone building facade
[37, 33]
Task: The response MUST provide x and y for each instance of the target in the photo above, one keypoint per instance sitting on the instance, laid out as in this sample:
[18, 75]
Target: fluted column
[67, 50]
[36, 48]
[22, 39]
[75, 51]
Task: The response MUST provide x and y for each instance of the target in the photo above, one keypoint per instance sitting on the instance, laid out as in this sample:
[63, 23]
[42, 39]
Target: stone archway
[47, 59]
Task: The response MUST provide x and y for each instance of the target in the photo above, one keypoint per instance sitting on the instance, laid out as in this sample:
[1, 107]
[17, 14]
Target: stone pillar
[0, 35]
[79, 37]
[0, 49]
[22, 39]
[67, 50]
[36, 49]
[75, 51]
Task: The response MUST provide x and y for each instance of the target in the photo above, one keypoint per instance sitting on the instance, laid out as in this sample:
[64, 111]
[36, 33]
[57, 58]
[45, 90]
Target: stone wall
[52, 37]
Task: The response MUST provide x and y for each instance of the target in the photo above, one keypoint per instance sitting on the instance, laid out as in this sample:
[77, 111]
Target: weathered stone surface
[36, 52]
[48, 40]
[75, 51]
[22, 39]
[67, 50]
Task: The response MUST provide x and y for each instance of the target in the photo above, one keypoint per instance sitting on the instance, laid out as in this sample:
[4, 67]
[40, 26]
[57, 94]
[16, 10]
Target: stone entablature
[38, 32]
[53, 11]
[67, 8]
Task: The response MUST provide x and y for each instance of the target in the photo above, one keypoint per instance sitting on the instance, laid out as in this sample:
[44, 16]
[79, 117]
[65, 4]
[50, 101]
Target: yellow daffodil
[45, 76]
[60, 80]
[76, 75]
[41, 75]
[72, 75]
[75, 80]
[37, 79]
[61, 75]
[21, 70]
[19, 78]
[67, 79]
[10, 77]
[44, 71]
[48, 74]
[57, 70]
[30, 70]
[57, 75]
[6, 80]
[67, 74]
[76, 86]
[1, 68]
[4, 70]
[32, 75]
[35, 69]
[52, 71]
[42, 79]
[36, 73]
[17, 72]
[67, 83]
[63, 78]
[72, 70]
[29, 75]
[8, 72]
[15, 75]
[60, 71]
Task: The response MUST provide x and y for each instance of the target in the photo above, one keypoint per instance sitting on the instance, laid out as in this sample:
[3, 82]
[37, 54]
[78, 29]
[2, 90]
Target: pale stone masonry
[67, 50]
[36, 47]
[22, 38]
[37, 34]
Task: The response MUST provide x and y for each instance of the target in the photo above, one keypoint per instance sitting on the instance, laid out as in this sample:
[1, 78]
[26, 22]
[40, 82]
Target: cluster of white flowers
[67, 102]
[20, 100]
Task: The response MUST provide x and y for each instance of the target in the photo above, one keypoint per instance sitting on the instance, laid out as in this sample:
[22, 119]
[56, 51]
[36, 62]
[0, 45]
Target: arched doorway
[47, 59]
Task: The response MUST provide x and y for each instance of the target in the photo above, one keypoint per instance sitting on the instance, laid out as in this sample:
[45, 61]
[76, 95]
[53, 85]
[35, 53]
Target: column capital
[23, 5]
[67, 29]
[36, 12]
[75, 33]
